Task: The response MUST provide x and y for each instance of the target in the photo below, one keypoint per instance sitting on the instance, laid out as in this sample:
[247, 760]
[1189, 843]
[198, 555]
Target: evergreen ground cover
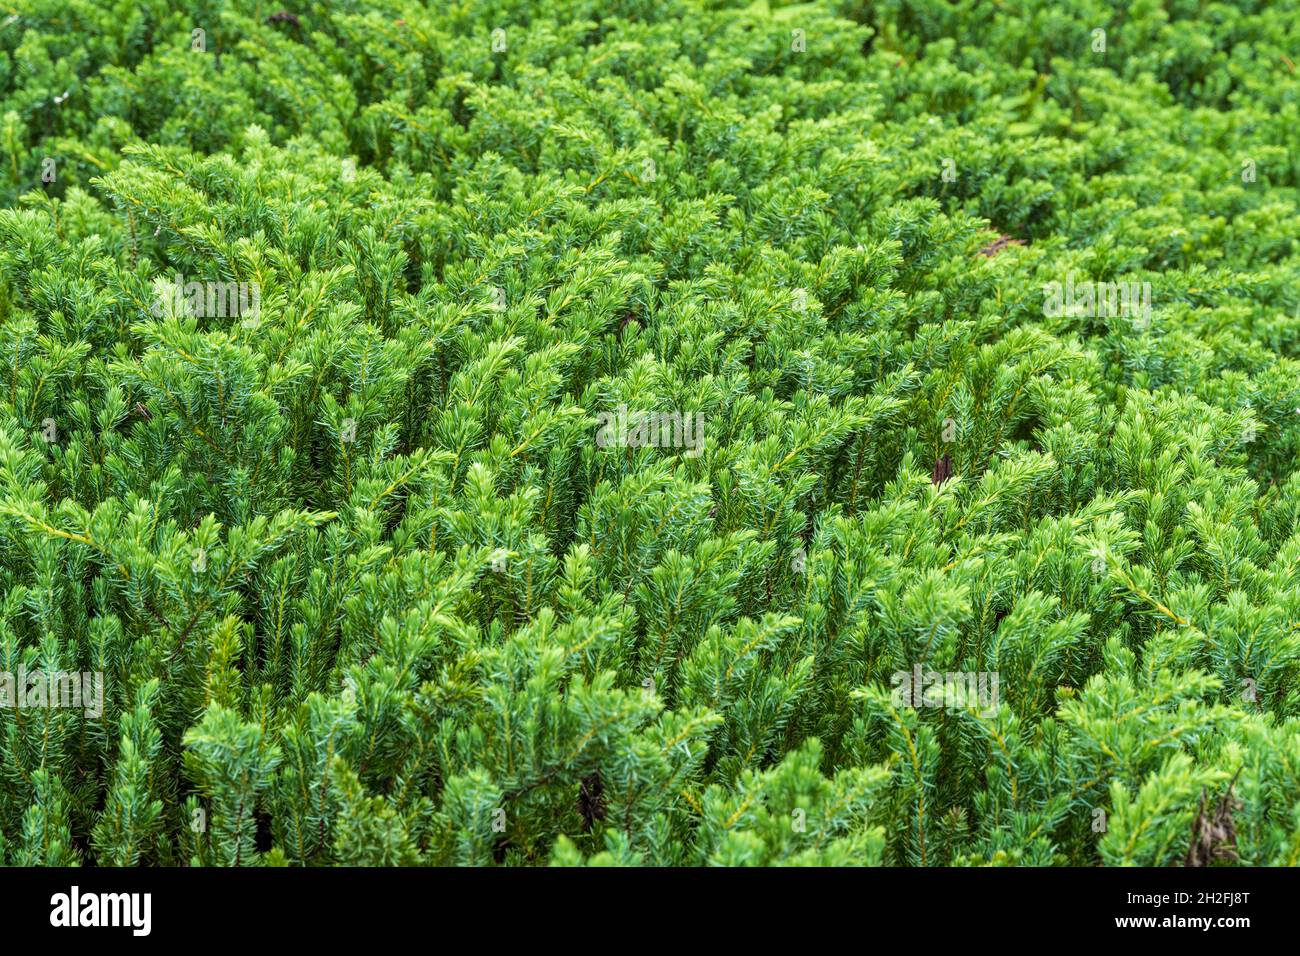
[634, 432]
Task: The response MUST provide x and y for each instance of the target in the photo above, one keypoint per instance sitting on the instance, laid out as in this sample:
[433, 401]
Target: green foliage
[370, 583]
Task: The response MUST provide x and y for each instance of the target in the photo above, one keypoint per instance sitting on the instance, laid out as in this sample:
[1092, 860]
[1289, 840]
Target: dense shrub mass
[330, 338]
